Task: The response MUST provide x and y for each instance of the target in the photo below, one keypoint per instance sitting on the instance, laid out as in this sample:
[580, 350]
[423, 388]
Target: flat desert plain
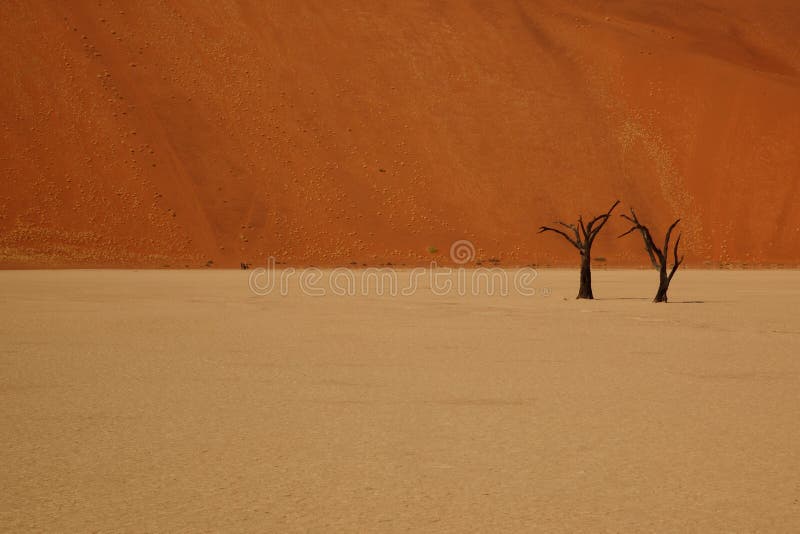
[178, 401]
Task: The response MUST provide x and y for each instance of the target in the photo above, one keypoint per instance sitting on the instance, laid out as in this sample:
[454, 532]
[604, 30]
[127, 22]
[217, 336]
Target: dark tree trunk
[583, 236]
[663, 285]
[585, 291]
[658, 257]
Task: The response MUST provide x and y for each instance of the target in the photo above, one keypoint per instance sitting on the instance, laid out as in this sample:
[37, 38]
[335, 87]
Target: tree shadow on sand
[645, 299]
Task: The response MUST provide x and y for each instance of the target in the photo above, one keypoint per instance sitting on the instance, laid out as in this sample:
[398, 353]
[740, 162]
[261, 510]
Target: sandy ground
[179, 401]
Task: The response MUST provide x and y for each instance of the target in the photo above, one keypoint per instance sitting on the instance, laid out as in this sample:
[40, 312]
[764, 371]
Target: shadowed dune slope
[178, 133]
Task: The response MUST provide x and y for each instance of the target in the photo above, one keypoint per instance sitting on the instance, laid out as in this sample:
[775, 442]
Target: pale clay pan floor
[159, 401]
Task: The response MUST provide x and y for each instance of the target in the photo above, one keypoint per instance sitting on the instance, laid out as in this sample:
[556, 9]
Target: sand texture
[164, 401]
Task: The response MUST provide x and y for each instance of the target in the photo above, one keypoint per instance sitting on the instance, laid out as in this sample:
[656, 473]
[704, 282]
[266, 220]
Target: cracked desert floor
[180, 401]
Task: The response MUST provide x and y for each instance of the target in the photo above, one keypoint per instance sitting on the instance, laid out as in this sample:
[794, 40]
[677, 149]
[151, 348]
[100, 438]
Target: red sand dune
[159, 133]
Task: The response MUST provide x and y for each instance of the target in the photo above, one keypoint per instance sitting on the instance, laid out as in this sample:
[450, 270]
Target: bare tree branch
[669, 233]
[676, 262]
[656, 253]
[583, 244]
[573, 228]
[559, 232]
[649, 244]
[602, 219]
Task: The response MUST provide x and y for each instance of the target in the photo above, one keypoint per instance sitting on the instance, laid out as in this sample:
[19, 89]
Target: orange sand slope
[177, 133]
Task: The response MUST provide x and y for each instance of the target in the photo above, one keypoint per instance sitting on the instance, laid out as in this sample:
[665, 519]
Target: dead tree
[582, 238]
[658, 257]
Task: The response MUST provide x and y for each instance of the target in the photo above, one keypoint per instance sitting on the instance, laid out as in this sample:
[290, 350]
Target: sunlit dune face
[188, 135]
